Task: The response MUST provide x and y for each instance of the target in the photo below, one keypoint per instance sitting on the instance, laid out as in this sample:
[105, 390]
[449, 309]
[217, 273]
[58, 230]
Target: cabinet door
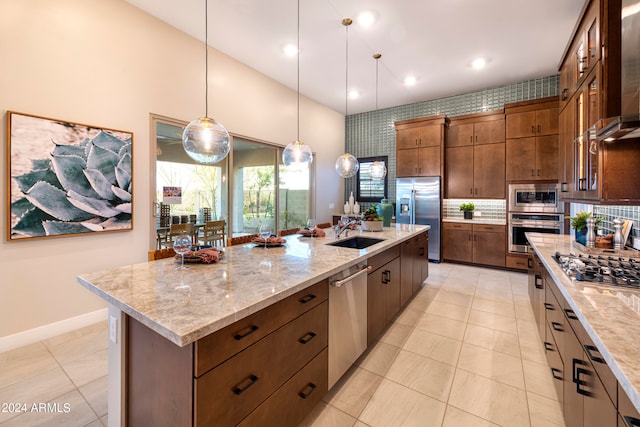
[489, 132]
[391, 285]
[407, 138]
[521, 125]
[422, 248]
[430, 136]
[460, 135]
[574, 366]
[375, 305]
[566, 136]
[407, 162]
[459, 172]
[547, 157]
[489, 248]
[457, 244]
[488, 171]
[428, 161]
[407, 261]
[547, 121]
[521, 158]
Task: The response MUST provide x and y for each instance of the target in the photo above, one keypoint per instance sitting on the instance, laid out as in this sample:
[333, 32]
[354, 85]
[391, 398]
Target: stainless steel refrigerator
[418, 202]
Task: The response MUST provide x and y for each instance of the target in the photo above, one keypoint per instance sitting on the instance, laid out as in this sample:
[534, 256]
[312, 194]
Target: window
[371, 190]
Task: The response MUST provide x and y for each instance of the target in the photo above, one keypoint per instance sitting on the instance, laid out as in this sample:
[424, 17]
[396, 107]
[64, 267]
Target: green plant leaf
[30, 224]
[100, 184]
[54, 202]
[95, 206]
[109, 142]
[57, 227]
[27, 180]
[70, 173]
[103, 160]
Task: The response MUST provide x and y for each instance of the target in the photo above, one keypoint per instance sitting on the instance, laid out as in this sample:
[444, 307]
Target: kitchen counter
[246, 280]
[611, 316]
[477, 220]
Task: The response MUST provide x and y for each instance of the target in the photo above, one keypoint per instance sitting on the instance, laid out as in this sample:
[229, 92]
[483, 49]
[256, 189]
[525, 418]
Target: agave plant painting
[67, 178]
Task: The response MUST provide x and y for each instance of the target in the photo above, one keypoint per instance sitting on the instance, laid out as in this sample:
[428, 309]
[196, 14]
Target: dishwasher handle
[339, 283]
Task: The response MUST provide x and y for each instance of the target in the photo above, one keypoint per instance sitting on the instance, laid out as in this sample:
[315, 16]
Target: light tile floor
[465, 351]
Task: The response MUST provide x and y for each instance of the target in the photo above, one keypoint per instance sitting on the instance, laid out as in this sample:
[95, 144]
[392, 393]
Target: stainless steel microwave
[534, 198]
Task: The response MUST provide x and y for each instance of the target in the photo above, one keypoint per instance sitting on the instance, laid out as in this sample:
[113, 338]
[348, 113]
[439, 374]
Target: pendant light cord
[377, 57]
[206, 56]
[346, 22]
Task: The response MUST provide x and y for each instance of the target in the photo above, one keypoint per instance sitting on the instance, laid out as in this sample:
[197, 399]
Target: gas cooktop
[610, 270]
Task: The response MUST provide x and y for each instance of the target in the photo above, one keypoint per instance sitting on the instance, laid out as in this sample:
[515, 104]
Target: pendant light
[378, 170]
[204, 139]
[297, 155]
[346, 164]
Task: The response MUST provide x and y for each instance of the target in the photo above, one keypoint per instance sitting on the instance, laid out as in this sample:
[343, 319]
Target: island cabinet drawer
[381, 259]
[457, 226]
[555, 319]
[214, 349]
[296, 399]
[231, 391]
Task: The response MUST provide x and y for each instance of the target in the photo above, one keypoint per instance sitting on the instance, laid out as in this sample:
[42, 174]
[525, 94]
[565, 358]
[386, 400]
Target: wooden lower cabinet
[414, 265]
[586, 387]
[383, 295]
[517, 262]
[474, 243]
[251, 368]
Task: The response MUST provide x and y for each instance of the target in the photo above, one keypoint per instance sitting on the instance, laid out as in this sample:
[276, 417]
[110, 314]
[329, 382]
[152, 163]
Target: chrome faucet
[339, 229]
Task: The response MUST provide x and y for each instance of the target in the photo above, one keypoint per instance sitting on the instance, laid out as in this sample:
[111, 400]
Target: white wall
[105, 63]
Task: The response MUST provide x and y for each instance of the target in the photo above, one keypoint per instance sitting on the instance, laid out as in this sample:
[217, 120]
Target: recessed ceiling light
[478, 63]
[353, 94]
[290, 49]
[410, 80]
[366, 19]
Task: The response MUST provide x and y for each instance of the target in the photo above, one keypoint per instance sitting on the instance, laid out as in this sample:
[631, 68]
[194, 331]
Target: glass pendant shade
[206, 141]
[347, 165]
[297, 156]
[377, 170]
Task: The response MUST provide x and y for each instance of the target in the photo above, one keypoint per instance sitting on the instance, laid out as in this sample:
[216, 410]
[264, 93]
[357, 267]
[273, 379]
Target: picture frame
[66, 178]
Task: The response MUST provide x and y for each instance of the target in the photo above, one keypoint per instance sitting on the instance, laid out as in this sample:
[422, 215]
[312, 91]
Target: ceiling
[433, 40]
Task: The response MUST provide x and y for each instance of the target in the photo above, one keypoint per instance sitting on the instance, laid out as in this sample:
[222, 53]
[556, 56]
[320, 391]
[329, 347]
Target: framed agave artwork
[67, 178]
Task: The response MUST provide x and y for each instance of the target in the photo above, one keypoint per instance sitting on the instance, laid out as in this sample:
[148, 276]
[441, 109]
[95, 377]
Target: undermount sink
[357, 242]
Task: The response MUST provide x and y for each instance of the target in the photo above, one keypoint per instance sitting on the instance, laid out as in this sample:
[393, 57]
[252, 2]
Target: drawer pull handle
[570, 314]
[548, 346]
[529, 263]
[308, 337]
[243, 386]
[576, 377]
[308, 390]
[590, 349]
[549, 306]
[251, 329]
[538, 282]
[557, 326]
[556, 373]
[631, 421]
[305, 299]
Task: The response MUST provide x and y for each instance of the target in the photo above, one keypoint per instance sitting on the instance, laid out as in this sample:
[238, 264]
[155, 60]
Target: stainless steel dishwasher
[347, 319]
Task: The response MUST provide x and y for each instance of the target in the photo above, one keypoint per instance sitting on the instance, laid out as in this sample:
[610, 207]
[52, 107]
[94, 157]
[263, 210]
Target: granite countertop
[186, 305]
[476, 220]
[610, 315]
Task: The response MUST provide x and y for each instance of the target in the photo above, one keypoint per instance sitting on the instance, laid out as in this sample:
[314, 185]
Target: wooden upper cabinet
[532, 140]
[460, 135]
[419, 146]
[490, 131]
[476, 129]
[489, 171]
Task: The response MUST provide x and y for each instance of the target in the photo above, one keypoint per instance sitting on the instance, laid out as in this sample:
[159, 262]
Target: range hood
[627, 125]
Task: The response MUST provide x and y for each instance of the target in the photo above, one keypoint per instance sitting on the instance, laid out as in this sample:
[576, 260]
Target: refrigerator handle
[412, 220]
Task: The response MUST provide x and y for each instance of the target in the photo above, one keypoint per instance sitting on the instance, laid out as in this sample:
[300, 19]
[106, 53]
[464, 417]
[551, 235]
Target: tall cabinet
[419, 146]
[475, 156]
[532, 140]
[590, 170]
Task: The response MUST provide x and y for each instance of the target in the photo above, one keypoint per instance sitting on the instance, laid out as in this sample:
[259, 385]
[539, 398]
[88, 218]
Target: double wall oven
[533, 208]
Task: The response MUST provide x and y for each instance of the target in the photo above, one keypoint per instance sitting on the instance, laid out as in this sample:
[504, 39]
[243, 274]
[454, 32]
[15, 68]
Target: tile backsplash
[609, 213]
[489, 209]
[372, 133]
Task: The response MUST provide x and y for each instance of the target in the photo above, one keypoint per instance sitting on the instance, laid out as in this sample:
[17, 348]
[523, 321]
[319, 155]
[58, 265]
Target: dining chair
[161, 253]
[288, 231]
[213, 232]
[240, 240]
[177, 230]
[324, 225]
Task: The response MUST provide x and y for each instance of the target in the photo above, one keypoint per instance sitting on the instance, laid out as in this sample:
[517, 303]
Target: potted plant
[579, 224]
[468, 209]
[371, 221]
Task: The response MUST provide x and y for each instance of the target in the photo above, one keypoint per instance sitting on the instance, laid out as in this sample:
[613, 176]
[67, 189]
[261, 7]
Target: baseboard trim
[40, 333]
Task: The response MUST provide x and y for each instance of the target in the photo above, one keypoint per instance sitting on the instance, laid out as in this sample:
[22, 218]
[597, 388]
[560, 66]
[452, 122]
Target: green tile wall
[372, 133]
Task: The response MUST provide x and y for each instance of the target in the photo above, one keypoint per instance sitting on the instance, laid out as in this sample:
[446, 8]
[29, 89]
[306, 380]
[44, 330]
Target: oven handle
[535, 224]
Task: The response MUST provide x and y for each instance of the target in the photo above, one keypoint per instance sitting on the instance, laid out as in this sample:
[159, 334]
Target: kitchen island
[594, 329]
[178, 313]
